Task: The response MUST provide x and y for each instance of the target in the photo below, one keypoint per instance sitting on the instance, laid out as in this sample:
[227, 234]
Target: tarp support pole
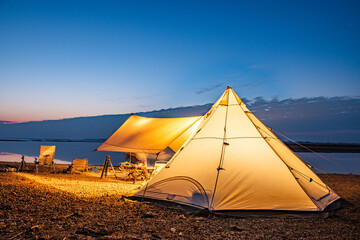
[106, 166]
[104, 170]
[157, 155]
[112, 167]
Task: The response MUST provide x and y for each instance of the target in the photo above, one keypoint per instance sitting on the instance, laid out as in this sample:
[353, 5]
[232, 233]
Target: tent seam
[221, 157]
[183, 132]
[190, 139]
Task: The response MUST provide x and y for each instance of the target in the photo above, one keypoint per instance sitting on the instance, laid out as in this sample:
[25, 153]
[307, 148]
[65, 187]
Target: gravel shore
[64, 206]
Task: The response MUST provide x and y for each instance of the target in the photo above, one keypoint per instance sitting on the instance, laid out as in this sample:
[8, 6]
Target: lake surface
[66, 151]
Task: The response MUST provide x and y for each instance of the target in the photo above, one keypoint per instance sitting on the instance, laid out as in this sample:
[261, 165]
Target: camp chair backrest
[80, 164]
[46, 156]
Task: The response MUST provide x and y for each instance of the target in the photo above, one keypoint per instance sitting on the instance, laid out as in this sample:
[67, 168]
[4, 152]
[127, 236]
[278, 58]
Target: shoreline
[61, 166]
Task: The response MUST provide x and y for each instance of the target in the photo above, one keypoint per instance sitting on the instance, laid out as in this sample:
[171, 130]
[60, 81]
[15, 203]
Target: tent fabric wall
[148, 135]
[307, 179]
[178, 142]
[234, 162]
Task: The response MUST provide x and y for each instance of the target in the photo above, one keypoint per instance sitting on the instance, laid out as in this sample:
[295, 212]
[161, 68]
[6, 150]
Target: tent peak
[229, 97]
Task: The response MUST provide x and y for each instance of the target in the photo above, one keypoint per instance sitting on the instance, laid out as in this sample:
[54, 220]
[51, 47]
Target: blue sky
[63, 59]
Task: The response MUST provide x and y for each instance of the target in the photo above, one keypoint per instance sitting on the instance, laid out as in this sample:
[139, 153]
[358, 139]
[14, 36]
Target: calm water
[344, 162]
[66, 151]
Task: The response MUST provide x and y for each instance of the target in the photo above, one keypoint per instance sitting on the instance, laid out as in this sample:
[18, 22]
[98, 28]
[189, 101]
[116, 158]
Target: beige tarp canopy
[232, 161]
[150, 135]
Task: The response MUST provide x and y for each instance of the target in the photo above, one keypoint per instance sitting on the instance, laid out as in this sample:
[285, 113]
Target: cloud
[257, 66]
[249, 84]
[208, 89]
[314, 119]
[6, 122]
[144, 106]
[318, 119]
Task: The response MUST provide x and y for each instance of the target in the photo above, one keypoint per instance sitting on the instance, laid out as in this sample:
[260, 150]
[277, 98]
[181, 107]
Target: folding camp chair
[79, 165]
[46, 156]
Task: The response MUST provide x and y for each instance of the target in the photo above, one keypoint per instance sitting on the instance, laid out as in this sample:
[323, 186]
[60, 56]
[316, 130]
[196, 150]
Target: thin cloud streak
[257, 66]
[208, 89]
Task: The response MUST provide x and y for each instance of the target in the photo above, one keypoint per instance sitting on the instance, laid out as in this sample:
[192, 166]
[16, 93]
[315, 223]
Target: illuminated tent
[230, 161]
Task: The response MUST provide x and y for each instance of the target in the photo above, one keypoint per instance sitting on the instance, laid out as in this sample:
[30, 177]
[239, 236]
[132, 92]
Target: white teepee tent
[232, 161]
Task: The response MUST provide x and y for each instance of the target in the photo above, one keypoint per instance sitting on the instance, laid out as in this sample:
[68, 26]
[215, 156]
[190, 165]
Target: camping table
[137, 172]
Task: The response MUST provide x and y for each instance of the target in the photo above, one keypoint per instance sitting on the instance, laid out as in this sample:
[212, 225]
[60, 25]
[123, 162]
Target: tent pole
[142, 199]
[107, 165]
[104, 167]
[112, 167]
[220, 167]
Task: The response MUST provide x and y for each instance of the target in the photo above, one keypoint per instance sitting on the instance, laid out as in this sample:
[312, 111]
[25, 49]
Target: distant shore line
[300, 147]
[50, 140]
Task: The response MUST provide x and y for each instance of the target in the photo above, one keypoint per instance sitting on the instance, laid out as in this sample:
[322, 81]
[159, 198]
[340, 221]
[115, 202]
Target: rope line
[302, 159]
[313, 151]
[228, 138]
[310, 179]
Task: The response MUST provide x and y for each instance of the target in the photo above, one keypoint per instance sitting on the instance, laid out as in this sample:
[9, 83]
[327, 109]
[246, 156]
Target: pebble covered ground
[84, 186]
[60, 206]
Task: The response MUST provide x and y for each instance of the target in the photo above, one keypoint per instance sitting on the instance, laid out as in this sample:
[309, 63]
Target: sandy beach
[81, 206]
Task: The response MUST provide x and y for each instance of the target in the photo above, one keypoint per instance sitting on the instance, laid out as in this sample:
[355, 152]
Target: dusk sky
[61, 59]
